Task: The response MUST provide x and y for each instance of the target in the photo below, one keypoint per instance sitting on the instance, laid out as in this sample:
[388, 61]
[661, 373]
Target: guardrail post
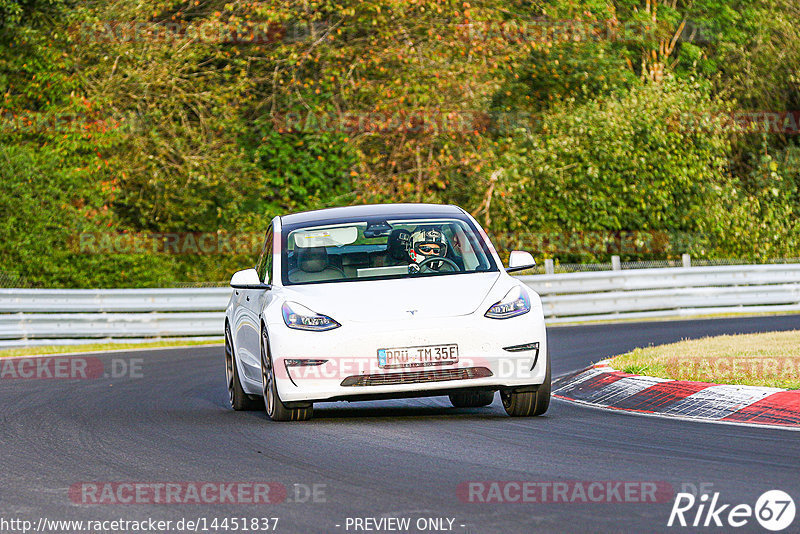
[687, 260]
[549, 266]
[615, 263]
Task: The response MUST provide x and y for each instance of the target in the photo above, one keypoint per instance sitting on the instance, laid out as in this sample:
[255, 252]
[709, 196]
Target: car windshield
[379, 249]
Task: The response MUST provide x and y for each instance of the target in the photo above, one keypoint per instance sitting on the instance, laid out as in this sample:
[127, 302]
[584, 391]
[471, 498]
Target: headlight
[299, 317]
[515, 303]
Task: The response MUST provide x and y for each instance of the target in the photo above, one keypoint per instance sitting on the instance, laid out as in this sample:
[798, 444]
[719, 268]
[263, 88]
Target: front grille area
[416, 377]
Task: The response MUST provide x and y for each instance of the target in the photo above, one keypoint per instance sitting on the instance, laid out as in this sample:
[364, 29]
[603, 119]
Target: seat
[313, 266]
[396, 252]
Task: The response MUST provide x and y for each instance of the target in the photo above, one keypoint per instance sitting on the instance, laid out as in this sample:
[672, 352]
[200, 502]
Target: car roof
[333, 215]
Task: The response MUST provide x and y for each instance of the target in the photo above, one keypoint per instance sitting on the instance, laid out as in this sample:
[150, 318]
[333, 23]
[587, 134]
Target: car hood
[392, 300]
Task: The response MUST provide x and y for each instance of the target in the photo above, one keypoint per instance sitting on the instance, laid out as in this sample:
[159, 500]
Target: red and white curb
[605, 387]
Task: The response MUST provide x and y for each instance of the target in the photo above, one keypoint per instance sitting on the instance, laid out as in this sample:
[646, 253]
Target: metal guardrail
[679, 291]
[113, 300]
[669, 278]
[70, 314]
[35, 315]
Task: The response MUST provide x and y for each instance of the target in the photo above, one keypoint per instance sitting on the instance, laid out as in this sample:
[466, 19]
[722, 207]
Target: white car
[383, 301]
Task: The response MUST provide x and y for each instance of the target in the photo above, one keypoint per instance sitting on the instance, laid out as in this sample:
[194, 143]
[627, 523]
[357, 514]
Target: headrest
[312, 260]
[398, 244]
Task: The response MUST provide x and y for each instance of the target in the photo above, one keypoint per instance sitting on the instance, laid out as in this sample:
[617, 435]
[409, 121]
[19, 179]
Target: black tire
[472, 399]
[238, 398]
[275, 408]
[529, 403]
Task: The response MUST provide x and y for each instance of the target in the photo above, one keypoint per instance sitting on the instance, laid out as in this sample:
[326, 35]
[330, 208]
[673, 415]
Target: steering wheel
[432, 259]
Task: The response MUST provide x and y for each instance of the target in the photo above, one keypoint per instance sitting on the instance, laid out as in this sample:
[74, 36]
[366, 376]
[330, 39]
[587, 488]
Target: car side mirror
[247, 279]
[520, 261]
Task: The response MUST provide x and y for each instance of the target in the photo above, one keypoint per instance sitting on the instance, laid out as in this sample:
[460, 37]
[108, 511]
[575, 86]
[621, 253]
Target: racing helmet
[427, 243]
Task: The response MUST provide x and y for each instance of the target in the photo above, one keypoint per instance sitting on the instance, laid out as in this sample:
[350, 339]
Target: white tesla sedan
[383, 301]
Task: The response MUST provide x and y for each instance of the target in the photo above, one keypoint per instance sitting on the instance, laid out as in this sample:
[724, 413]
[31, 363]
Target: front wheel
[529, 403]
[276, 409]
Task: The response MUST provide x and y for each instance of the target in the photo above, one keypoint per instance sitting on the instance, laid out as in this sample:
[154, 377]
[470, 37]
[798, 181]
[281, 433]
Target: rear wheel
[528, 403]
[472, 399]
[276, 409]
[238, 398]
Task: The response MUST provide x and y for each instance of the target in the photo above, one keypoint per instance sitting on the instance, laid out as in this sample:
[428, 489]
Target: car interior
[366, 259]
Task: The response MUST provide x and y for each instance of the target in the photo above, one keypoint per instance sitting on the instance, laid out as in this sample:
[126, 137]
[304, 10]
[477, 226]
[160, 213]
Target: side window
[462, 245]
[264, 265]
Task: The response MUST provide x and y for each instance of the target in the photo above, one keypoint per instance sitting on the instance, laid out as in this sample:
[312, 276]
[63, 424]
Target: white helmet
[428, 243]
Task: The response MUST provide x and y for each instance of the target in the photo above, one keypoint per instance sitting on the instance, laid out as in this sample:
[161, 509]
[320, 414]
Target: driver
[425, 244]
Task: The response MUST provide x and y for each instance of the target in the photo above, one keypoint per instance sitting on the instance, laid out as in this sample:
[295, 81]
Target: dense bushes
[616, 124]
[655, 161]
[619, 164]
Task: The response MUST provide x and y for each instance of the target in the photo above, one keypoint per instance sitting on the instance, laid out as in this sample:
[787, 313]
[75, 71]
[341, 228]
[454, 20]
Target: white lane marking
[716, 402]
[583, 377]
[622, 389]
[681, 418]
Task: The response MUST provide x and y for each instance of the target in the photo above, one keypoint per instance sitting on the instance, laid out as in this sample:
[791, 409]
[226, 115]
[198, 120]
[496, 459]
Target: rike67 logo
[774, 510]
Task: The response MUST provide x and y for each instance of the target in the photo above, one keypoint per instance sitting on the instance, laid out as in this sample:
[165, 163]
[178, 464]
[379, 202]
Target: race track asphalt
[169, 422]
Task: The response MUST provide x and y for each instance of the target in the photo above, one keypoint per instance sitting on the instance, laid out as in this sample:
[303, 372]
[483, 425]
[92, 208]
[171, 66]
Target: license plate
[418, 356]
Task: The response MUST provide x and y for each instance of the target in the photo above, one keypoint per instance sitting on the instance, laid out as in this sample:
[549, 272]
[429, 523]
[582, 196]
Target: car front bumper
[350, 353]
